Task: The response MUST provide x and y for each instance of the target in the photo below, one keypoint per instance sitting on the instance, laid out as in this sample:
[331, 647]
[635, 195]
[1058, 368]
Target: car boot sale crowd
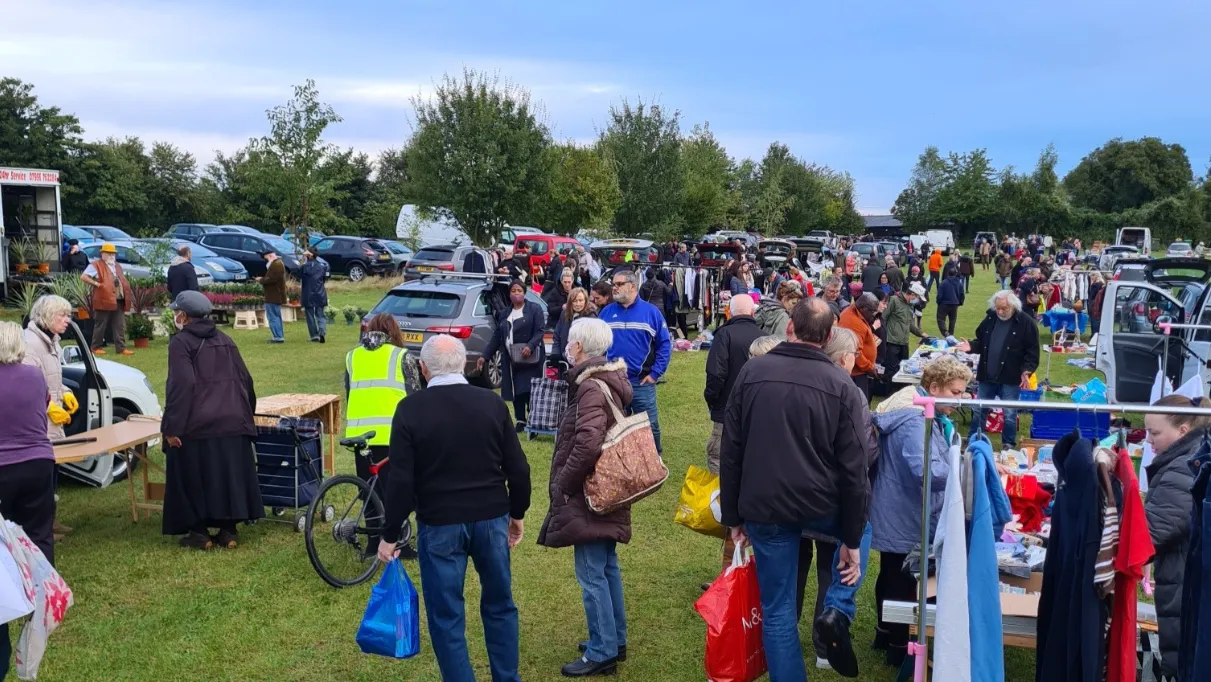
[805, 466]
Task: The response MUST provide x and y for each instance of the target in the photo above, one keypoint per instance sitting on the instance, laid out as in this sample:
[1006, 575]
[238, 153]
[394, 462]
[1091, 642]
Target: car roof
[622, 244]
[452, 286]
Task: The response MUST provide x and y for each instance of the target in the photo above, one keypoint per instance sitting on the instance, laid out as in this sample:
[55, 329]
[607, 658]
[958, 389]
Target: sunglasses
[621, 284]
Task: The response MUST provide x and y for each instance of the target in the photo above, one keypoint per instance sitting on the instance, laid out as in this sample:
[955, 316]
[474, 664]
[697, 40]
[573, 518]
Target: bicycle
[344, 522]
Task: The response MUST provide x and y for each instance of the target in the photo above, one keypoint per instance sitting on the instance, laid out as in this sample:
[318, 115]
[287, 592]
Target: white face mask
[176, 320]
[567, 352]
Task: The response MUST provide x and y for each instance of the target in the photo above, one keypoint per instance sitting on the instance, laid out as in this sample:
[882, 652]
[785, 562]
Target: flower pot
[20, 267]
[82, 313]
[142, 343]
[44, 268]
[349, 323]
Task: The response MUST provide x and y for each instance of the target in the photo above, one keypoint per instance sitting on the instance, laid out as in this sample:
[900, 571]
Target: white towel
[952, 627]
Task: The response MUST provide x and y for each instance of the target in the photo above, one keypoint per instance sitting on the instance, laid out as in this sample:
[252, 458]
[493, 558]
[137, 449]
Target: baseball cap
[192, 303]
[917, 289]
[108, 248]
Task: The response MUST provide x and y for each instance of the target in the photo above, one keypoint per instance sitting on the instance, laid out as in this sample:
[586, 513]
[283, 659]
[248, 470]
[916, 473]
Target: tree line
[1143, 182]
[482, 152]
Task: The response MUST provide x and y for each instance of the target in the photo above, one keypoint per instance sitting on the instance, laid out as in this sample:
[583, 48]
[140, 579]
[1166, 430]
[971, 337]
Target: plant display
[138, 326]
[234, 301]
[147, 293]
[350, 313]
[360, 311]
[25, 296]
[71, 287]
[24, 252]
[168, 320]
[330, 314]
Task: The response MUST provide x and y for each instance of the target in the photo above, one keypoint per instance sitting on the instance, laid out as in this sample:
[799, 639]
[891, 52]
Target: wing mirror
[72, 355]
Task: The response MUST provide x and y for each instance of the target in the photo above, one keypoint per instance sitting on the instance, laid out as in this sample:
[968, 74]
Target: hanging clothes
[1195, 661]
[952, 633]
[990, 512]
[1072, 618]
[1134, 551]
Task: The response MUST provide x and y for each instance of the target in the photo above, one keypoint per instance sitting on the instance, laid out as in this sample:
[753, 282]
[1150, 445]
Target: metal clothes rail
[920, 648]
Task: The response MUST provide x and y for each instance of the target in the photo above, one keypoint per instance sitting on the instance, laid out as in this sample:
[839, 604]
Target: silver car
[462, 308]
[135, 265]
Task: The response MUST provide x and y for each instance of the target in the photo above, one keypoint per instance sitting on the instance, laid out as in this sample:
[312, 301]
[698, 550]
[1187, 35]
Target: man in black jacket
[74, 260]
[795, 454]
[729, 353]
[1007, 342]
[181, 275]
[455, 460]
[870, 276]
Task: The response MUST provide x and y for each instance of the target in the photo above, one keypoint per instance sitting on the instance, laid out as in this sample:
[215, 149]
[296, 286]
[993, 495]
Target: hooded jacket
[728, 354]
[853, 320]
[895, 509]
[895, 277]
[313, 273]
[772, 317]
[1167, 507]
[950, 291]
[209, 393]
[577, 449]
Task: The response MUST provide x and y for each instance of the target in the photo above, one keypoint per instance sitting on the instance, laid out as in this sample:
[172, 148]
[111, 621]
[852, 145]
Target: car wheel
[121, 470]
[492, 375]
[357, 272]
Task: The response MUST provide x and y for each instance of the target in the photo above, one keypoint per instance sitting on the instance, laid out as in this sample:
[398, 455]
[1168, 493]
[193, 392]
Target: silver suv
[454, 305]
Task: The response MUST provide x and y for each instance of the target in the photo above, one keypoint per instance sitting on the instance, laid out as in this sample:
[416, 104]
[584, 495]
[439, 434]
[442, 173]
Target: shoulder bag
[629, 468]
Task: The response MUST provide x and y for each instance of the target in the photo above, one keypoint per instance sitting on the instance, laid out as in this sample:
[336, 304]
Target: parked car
[191, 231]
[1111, 254]
[875, 251]
[313, 236]
[1139, 237]
[1129, 339]
[135, 263]
[355, 256]
[544, 247]
[986, 236]
[400, 253]
[220, 268]
[246, 249]
[447, 258]
[716, 254]
[610, 253]
[243, 229]
[81, 235]
[509, 235]
[895, 250]
[459, 307]
[105, 233]
[1179, 250]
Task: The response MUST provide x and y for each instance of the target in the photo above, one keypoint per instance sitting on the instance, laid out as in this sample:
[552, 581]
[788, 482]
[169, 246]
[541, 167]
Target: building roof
[882, 222]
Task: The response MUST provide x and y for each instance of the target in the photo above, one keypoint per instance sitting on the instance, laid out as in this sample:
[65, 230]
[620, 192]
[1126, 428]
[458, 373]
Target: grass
[147, 610]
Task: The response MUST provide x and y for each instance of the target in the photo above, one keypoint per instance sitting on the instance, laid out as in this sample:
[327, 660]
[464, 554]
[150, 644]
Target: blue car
[312, 236]
[105, 233]
[222, 269]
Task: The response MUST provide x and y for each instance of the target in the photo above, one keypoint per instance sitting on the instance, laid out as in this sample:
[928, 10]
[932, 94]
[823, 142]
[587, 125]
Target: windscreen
[407, 303]
[443, 255]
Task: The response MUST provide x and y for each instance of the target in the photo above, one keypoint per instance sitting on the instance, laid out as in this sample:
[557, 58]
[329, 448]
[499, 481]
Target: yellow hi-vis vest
[376, 385]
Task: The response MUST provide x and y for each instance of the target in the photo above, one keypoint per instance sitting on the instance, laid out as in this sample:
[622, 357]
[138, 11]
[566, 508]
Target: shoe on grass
[225, 539]
[833, 627]
[126, 351]
[823, 664]
[622, 650]
[585, 668]
[196, 540]
[98, 351]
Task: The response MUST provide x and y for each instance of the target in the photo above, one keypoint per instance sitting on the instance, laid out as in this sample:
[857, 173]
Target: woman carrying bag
[595, 384]
[519, 335]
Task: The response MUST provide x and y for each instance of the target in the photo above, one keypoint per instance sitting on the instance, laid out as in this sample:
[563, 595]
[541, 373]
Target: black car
[246, 249]
[190, 231]
[355, 256]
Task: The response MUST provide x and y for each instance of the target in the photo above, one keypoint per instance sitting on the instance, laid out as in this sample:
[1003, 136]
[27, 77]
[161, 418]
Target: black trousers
[520, 403]
[948, 316]
[27, 498]
[893, 585]
[893, 356]
[824, 578]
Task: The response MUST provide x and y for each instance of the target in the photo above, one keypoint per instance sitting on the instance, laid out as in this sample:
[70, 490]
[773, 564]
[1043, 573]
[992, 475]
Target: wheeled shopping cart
[289, 464]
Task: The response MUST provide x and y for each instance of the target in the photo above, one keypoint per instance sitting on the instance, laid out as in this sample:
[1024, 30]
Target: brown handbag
[629, 468]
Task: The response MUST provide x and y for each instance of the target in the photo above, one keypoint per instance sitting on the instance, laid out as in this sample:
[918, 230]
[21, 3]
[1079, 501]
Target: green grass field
[148, 610]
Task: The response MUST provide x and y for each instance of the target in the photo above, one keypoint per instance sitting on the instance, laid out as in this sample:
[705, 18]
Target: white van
[940, 239]
[1139, 237]
[417, 232]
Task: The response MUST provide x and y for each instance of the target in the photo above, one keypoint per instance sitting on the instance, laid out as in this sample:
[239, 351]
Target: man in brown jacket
[110, 299]
[274, 283]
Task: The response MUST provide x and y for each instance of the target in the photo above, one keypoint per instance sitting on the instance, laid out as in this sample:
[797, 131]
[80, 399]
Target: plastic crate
[1030, 396]
[1053, 425]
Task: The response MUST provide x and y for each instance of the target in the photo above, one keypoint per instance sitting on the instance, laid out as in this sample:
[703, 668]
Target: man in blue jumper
[641, 339]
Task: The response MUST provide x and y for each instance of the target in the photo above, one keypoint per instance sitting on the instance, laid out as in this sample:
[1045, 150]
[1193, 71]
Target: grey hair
[46, 308]
[1009, 297]
[12, 344]
[763, 344]
[840, 342]
[443, 354]
[567, 274]
[832, 282]
[741, 304]
[594, 336]
[629, 275]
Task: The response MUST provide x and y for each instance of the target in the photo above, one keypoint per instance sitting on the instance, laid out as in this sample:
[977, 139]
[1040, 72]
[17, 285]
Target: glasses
[620, 284]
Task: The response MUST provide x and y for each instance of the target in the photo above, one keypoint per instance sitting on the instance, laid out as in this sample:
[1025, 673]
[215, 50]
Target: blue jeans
[934, 280]
[601, 585]
[643, 399]
[1004, 282]
[776, 551]
[990, 391]
[443, 554]
[273, 313]
[317, 324]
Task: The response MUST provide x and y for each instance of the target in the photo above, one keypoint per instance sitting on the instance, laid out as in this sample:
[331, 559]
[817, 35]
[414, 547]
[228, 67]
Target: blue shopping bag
[391, 626]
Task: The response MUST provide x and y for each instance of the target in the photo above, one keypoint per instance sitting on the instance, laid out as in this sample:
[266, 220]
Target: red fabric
[995, 421]
[732, 611]
[1134, 550]
[1027, 499]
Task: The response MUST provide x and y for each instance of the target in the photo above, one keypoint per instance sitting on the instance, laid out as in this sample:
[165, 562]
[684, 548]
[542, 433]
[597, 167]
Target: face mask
[177, 321]
[567, 352]
[517, 298]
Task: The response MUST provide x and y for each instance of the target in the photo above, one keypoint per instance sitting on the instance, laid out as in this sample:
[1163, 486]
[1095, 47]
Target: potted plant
[139, 328]
[350, 314]
[361, 312]
[25, 297]
[168, 322]
[330, 314]
[22, 251]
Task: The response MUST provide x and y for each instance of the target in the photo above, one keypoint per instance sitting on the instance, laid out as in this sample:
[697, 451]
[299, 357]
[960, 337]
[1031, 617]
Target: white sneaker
[822, 664]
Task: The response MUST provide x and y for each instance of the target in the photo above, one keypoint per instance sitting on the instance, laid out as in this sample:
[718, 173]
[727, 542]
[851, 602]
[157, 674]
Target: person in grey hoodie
[1175, 438]
[774, 313]
[895, 509]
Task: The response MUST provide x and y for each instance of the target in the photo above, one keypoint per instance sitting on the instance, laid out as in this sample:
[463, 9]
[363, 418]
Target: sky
[862, 86]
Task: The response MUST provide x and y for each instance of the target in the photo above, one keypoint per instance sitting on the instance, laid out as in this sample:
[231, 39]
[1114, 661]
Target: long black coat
[313, 274]
[528, 330]
[728, 354]
[1021, 349]
[210, 393]
[182, 277]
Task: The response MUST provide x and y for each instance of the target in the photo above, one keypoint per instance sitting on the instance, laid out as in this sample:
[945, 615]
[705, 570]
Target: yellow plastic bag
[698, 508]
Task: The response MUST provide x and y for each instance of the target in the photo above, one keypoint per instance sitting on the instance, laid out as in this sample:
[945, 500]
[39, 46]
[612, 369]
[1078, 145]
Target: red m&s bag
[732, 611]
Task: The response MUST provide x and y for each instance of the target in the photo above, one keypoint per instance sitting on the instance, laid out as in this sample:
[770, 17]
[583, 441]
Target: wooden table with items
[129, 440]
[324, 407]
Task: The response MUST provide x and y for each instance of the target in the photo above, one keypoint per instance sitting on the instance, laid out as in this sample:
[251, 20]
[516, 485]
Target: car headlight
[217, 266]
[147, 383]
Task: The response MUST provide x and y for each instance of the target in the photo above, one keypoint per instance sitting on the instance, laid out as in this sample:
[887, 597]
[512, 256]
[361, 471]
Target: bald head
[813, 321]
[742, 304]
[442, 354]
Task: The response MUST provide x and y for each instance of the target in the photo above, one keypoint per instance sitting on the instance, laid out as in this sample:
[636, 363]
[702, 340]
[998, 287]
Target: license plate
[383, 256]
[425, 268]
[240, 277]
[413, 337]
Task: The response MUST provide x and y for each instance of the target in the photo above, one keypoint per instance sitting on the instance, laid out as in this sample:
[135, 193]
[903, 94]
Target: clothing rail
[1166, 328]
[920, 649]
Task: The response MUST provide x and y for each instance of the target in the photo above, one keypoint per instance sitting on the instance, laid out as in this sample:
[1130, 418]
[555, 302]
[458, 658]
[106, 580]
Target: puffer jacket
[895, 509]
[1167, 507]
[772, 317]
[577, 447]
[43, 352]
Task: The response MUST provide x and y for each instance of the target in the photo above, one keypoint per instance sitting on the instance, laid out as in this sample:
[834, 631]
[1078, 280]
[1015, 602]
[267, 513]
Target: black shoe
[833, 627]
[583, 668]
[521, 427]
[323, 338]
[704, 587]
[880, 643]
[195, 540]
[226, 539]
[622, 651]
[406, 553]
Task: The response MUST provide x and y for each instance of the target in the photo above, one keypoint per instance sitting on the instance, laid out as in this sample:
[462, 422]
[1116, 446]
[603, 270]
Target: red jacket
[852, 320]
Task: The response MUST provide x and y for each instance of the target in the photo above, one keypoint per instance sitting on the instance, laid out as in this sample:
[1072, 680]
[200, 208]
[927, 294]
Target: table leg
[330, 456]
[134, 510]
[146, 465]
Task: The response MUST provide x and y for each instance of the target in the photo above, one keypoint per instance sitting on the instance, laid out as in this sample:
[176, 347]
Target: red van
[543, 247]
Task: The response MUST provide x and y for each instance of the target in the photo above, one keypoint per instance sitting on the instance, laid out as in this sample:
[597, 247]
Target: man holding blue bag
[456, 461]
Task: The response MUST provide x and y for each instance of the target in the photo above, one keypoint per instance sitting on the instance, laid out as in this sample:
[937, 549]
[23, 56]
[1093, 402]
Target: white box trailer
[30, 208]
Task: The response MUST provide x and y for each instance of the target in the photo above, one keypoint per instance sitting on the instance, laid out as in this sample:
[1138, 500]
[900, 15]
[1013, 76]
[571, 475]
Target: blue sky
[860, 86]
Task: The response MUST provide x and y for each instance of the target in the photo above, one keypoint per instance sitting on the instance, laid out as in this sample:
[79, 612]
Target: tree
[644, 143]
[34, 136]
[584, 190]
[967, 197]
[388, 193]
[708, 174]
[478, 154]
[1122, 175]
[914, 207]
[121, 172]
[172, 186]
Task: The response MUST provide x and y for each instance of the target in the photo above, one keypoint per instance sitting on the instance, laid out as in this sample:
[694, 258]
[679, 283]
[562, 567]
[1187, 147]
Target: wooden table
[324, 407]
[129, 440]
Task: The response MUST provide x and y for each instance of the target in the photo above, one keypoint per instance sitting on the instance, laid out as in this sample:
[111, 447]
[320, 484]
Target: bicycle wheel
[343, 525]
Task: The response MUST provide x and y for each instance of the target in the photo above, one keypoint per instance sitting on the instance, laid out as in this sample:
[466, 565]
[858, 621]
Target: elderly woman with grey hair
[48, 320]
[599, 391]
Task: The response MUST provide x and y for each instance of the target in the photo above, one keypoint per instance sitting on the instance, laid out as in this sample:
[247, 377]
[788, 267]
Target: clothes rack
[920, 648]
[1166, 328]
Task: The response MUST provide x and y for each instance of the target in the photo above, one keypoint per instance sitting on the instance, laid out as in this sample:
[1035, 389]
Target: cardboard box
[1025, 605]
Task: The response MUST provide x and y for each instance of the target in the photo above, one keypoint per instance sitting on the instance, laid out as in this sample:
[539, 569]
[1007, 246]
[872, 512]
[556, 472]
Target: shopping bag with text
[731, 608]
[698, 508]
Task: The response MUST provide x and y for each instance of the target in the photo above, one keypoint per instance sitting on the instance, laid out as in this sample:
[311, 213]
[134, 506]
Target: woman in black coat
[521, 324]
[210, 466]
